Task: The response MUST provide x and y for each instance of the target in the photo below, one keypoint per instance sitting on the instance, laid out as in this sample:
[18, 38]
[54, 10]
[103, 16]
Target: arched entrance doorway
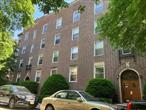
[130, 86]
[27, 78]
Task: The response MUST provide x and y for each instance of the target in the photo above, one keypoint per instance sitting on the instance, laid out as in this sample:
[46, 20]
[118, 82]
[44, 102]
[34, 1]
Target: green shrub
[144, 92]
[100, 87]
[30, 85]
[14, 83]
[3, 81]
[53, 84]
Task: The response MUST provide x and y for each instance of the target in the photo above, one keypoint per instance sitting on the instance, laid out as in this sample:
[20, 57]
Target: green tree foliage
[6, 46]
[9, 64]
[101, 88]
[124, 24]
[50, 5]
[53, 84]
[17, 14]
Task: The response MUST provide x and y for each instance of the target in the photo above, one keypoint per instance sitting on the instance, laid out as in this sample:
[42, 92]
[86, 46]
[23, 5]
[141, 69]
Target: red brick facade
[114, 63]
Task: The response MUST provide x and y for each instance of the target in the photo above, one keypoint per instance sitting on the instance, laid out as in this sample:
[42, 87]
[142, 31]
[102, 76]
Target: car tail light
[129, 106]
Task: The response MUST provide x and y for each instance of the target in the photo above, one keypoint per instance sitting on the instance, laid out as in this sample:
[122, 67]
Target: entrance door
[130, 86]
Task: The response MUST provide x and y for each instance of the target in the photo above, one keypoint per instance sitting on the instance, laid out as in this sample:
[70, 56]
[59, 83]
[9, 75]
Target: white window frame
[31, 48]
[38, 74]
[55, 38]
[76, 16]
[98, 48]
[54, 56]
[58, 23]
[52, 69]
[23, 50]
[123, 53]
[71, 57]
[18, 77]
[75, 33]
[26, 36]
[30, 60]
[40, 56]
[95, 25]
[34, 34]
[71, 74]
[42, 42]
[45, 28]
[20, 62]
[101, 3]
[99, 64]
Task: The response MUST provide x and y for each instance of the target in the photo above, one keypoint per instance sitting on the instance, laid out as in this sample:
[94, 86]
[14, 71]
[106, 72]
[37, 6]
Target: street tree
[9, 65]
[124, 24]
[17, 14]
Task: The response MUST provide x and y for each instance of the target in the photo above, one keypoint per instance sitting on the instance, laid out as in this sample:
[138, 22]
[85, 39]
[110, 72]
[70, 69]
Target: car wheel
[12, 103]
[49, 107]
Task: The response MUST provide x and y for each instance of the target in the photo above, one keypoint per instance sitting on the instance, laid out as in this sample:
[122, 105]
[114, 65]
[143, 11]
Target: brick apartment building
[67, 43]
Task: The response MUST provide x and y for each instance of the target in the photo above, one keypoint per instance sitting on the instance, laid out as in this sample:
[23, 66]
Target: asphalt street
[6, 108]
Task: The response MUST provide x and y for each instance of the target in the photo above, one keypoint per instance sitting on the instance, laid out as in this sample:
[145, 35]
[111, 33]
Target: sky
[37, 15]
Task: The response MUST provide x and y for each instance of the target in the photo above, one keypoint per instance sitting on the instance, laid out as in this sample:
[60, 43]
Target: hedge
[101, 88]
[3, 81]
[53, 84]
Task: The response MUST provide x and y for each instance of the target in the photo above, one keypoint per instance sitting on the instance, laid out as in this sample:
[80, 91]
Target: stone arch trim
[27, 78]
[132, 66]
[123, 67]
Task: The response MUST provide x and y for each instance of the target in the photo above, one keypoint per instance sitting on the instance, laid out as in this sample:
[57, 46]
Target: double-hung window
[30, 60]
[31, 48]
[53, 71]
[42, 44]
[99, 7]
[57, 39]
[40, 59]
[76, 16]
[99, 48]
[75, 33]
[38, 76]
[55, 56]
[59, 23]
[74, 53]
[73, 74]
[23, 50]
[45, 28]
[26, 36]
[21, 63]
[34, 34]
[126, 52]
[99, 70]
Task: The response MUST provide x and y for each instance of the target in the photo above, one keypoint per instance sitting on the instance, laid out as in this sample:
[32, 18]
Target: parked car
[13, 96]
[134, 105]
[73, 100]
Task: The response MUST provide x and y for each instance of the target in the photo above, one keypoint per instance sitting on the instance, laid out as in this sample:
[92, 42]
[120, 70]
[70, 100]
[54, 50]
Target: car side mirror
[79, 99]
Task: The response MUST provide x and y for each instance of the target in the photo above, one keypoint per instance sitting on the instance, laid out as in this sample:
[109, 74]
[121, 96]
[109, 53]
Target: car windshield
[20, 89]
[88, 97]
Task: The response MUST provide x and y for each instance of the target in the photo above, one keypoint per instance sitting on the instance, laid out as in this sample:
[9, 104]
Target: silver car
[73, 100]
[13, 96]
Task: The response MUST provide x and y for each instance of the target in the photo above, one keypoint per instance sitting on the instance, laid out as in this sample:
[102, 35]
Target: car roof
[70, 90]
[11, 85]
